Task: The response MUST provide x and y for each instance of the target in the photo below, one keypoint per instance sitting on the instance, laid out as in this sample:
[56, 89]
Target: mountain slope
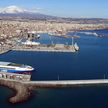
[17, 12]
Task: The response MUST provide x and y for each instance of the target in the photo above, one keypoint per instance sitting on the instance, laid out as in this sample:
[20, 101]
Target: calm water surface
[91, 62]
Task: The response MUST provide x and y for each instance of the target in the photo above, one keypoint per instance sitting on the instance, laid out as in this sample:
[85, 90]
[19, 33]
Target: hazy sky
[72, 8]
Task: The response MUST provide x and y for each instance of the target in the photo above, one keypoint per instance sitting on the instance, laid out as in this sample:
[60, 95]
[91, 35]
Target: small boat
[28, 42]
[36, 36]
[76, 47]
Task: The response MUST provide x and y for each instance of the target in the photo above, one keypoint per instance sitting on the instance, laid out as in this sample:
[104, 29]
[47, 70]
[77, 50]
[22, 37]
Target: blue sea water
[88, 63]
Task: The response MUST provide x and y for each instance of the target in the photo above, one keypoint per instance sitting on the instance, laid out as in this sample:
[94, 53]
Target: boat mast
[58, 77]
[72, 41]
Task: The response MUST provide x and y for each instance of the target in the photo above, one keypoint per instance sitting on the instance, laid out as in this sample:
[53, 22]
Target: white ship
[15, 68]
[28, 42]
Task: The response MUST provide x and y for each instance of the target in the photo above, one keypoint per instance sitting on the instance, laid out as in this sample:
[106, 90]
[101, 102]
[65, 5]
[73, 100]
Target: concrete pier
[46, 48]
[23, 88]
[41, 49]
[65, 83]
[69, 82]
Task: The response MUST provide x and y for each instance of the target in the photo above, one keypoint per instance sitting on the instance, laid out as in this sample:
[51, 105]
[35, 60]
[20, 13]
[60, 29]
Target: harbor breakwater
[21, 92]
[23, 89]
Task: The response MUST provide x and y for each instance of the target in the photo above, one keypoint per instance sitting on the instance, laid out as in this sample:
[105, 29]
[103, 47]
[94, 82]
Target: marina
[53, 54]
[72, 67]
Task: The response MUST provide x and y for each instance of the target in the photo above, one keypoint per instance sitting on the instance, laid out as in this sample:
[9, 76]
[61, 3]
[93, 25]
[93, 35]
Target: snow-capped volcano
[12, 10]
[16, 12]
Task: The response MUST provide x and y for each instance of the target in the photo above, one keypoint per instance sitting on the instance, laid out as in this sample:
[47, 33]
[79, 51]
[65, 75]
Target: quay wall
[64, 48]
[44, 50]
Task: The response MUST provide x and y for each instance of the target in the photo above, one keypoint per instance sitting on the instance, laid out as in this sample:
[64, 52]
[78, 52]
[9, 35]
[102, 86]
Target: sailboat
[76, 47]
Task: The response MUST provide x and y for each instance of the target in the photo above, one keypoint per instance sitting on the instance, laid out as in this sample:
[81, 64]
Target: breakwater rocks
[23, 88]
[21, 91]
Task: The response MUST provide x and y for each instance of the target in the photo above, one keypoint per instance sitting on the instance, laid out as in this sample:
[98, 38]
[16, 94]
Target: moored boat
[28, 42]
[76, 47]
[10, 67]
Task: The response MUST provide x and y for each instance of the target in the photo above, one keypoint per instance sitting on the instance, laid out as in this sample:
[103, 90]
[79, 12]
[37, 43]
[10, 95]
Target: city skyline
[63, 8]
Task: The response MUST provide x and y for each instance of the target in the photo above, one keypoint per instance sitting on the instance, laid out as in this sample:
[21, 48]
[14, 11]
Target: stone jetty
[23, 88]
[21, 91]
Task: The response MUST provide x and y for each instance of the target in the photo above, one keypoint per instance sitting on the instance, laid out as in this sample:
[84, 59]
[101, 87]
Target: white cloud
[16, 9]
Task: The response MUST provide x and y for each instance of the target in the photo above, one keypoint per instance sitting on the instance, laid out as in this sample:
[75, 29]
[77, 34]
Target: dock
[46, 48]
[40, 49]
[23, 88]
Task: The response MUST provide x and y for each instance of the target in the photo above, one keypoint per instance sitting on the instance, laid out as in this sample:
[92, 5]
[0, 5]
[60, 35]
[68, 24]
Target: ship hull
[9, 67]
[16, 71]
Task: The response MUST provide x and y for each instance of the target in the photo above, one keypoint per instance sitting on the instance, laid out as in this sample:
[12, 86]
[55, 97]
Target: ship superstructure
[15, 71]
